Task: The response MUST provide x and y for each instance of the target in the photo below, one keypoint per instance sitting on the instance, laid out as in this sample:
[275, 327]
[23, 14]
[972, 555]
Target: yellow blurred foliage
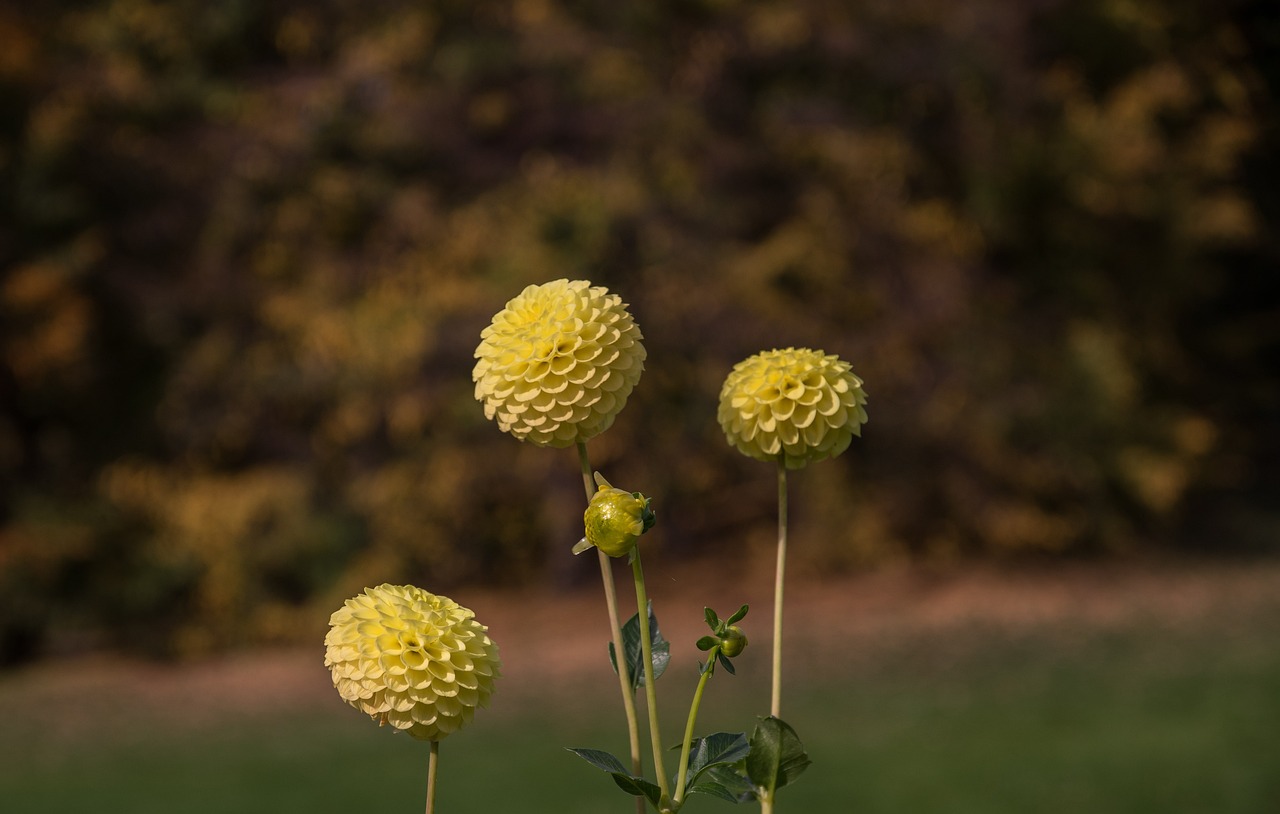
[247, 250]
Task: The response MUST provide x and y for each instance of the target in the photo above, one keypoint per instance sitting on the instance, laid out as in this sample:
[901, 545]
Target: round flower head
[798, 404]
[409, 658]
[614, 520]
[557, 364]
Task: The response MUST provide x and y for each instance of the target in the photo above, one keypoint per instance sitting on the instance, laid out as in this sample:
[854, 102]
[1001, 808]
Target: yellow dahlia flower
[614, 519]
[798, 404]
[409, 658]
[557, 364]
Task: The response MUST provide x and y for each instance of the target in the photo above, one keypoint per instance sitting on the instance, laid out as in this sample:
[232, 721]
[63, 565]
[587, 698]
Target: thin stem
[775, 706]
[693, 717]
[611, 602]
[584, 463]
[624, 677]
[433, 760]
[650, 690]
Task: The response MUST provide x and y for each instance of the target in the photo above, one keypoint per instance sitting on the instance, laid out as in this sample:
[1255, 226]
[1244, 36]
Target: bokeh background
[247, 248]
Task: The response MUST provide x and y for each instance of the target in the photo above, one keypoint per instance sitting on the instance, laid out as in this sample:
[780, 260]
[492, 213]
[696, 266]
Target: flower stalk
[683, 775]
[433, 761]
[775, 698]
[611, 602]
[650, 688]
[766, 803]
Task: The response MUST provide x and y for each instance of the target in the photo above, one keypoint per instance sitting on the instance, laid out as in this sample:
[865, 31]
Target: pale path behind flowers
[553, 641]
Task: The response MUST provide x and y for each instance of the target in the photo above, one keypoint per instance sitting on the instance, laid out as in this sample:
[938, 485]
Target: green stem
[650, 690]
[611, 602]
[433, 759]
[775, 706]
[693, 717]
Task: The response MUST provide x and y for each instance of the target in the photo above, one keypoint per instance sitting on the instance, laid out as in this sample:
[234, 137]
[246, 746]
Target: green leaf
[720, 748]
[713, 621]
[724, 781]
[777, 756]
[660, 647]
[707, 642]
[728, 665]
[635, 786]
[638, 787]
[738, 615]
[600, 759]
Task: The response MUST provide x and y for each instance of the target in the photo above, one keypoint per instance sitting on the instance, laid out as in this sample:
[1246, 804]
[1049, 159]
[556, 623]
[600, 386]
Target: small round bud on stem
[733, 642]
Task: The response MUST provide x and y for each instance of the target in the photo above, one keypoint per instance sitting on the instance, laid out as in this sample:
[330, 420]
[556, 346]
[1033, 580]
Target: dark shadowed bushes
[247, 250]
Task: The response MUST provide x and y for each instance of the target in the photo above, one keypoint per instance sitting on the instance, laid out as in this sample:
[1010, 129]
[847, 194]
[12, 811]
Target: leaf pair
[712, 769]
[718, 627]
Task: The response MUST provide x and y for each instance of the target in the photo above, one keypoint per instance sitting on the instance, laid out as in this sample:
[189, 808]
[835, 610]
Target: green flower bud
[614, 520]
[733, 642]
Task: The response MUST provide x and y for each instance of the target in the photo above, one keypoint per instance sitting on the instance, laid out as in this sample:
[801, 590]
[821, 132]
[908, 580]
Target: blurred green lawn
[1144, 719]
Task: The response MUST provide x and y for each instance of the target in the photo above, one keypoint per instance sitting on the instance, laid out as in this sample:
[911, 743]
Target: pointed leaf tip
[600, 759]
[713, 621]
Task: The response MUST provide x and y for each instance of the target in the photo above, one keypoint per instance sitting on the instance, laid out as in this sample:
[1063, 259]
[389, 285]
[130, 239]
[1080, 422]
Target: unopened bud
[614, 520]
[733, 642]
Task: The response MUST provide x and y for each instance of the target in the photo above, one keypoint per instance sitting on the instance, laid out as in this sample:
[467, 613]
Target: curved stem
[433, 759]
[646, 649]
[611, 602]
[693, 717]
[775, 706]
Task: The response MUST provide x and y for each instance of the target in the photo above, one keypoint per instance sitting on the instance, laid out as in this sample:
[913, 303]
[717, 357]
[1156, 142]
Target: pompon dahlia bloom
[409, 658]
[801, 404]
[557, 364]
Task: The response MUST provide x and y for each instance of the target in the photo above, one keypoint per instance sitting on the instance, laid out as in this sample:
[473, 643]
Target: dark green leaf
[707, 642]
[660, 647]
[600, 759]
[777, 756]
[738, 615]
[626, 781]
[724, 781]
[724, 661]
[638, 787]
[713, 621]
[648, 517]
[720, 748]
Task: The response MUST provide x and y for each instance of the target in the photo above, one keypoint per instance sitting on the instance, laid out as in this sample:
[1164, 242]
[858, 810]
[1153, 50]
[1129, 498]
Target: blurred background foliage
[247, 249]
